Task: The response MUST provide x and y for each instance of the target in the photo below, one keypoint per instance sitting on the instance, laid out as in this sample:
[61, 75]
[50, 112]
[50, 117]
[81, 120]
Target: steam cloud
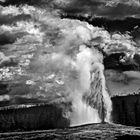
[77, 63]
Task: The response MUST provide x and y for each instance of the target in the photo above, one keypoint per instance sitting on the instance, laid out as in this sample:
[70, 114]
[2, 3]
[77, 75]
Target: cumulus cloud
[14, 11]
[4, 98]
[113, 3]
[2, 0]
[7, 60]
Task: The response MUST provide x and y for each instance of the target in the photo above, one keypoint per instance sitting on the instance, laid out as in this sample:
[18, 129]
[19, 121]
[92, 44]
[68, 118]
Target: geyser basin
[94, 131]
[59, 60]
[49, 116]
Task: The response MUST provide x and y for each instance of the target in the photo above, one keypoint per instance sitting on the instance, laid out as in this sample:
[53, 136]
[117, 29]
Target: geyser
[91, 102]
[83, 75]
[79, 65]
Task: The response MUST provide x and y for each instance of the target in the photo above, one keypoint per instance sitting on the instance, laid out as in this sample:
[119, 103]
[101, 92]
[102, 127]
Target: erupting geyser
[80, 65]
[91, 102]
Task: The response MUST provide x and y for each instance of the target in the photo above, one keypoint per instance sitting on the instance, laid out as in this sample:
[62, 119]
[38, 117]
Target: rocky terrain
[87, 132]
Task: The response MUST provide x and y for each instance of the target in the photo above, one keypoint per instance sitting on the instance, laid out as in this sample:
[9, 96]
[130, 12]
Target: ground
[87, 132]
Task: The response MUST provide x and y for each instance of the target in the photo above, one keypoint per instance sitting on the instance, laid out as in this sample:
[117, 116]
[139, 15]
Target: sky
[42, 30]
[113, 9]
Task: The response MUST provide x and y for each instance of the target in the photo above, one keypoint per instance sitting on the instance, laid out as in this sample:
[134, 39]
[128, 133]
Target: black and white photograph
[69, 69]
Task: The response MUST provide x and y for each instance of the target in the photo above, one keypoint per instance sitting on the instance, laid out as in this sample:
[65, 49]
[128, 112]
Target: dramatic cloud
[119, 11]
[113, 3]
[39, 55]
[102, 8]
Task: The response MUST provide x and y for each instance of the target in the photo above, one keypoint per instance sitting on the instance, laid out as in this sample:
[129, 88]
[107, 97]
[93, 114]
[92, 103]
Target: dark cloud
[83, 6]
[110, 9]
[104, 8]
[9, 19]
[121, 10]
[30, 2]
[113, 62]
